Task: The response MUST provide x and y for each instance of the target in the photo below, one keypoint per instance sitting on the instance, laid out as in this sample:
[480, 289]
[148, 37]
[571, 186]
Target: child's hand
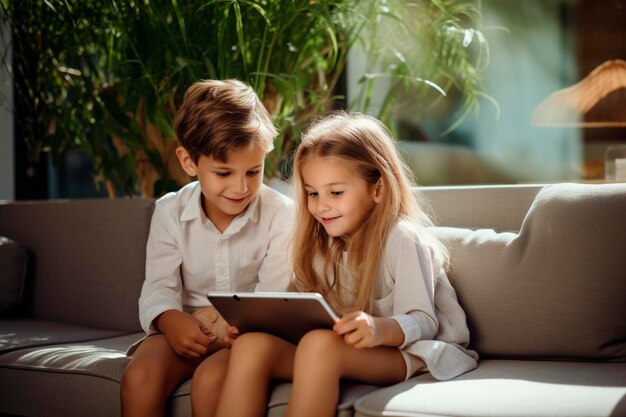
[225, 331]
[217, 325]
[361, 330]
[358, 329]
[207, 316]
[187, 335]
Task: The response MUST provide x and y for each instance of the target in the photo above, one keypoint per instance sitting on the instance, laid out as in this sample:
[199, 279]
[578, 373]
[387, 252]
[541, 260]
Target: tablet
[289, 315]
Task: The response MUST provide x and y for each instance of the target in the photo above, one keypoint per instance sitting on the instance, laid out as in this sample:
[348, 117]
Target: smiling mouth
[235, 200]
[327, 220]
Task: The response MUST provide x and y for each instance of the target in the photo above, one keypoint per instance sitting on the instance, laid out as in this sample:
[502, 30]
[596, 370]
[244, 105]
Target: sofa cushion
[13, 259]
[89, 257]
[348, 394]
[92, 371]
[69, 379]
[508, 388]
[498, 207]
[20, 333]
[556, 289]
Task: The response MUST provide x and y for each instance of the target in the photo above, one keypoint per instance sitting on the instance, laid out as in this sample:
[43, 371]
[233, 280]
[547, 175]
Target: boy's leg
[255, 360]
[207, 383]
[323, 359]
[153, 372]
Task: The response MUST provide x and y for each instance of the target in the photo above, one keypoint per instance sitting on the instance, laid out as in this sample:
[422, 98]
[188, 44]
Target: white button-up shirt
[186, 256]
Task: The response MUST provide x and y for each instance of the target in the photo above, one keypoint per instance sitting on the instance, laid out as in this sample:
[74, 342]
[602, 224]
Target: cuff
[410, 328]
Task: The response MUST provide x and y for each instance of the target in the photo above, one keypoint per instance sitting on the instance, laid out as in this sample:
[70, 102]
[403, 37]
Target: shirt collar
[193, 210]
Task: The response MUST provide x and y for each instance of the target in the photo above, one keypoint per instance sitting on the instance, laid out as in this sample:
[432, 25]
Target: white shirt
[423, 303]
[187, 256]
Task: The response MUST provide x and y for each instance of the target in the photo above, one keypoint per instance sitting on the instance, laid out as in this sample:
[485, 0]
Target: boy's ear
[186, 162]
[379, 189]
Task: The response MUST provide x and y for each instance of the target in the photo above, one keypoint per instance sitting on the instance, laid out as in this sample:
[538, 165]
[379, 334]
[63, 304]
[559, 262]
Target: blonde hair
[219, 116]
[366, 146]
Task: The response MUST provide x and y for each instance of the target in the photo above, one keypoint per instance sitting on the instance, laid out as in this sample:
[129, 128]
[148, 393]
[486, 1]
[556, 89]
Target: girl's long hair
[366, 146]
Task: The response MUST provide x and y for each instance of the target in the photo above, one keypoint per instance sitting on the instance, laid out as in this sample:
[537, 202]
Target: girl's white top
[423, 302]
[186, 256]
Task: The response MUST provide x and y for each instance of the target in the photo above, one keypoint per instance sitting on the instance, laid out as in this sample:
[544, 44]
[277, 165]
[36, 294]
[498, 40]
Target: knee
[250, 346]
[136, 377]
[319, 344]
[209, 379]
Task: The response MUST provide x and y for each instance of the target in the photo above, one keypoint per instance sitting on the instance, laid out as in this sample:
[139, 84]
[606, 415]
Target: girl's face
[337, 196]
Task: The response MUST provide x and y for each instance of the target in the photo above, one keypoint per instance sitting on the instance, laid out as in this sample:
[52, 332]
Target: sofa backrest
[498, 207]
[557, 288]
[87, 257]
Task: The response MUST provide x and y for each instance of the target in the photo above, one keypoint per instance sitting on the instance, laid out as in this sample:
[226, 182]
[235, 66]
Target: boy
[226, 231]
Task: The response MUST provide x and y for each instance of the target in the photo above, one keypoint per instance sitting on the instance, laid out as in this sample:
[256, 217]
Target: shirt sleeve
[411, 267]
[275, 271]
[162, 288]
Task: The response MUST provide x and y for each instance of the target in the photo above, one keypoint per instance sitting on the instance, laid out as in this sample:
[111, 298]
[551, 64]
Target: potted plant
[107, 76]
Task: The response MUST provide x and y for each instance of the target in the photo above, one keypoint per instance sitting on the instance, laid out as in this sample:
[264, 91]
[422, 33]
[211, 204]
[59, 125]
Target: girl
[362, 241]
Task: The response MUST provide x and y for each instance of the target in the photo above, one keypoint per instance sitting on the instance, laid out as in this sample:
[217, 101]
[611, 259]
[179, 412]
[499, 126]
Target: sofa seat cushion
[22, 333]
[349, 393]
[37, 381]
[92, 372]
[72, 379]
[508, 388]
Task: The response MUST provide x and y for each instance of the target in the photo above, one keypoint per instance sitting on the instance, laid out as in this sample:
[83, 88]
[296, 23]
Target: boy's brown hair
[219, 116]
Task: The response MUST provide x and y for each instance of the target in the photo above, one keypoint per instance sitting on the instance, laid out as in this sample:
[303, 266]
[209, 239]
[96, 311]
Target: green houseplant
[106, 76]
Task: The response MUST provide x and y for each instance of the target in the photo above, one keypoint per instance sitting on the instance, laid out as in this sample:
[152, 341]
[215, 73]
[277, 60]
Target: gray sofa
[540, 272]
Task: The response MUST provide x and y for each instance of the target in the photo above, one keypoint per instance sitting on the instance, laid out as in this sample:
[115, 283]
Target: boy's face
[227, 187]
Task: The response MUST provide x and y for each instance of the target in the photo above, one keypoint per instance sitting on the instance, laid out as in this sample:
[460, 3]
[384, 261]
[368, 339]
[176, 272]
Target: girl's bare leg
[323, 359]
[255, 360]
[207, 383]
[153, 372]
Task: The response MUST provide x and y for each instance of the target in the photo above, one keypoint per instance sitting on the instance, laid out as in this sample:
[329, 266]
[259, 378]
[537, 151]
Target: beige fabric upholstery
[497, 207]
[349, 393]
[557, 289]
[507, 388]
[84, 275]
[91, 372]
[553, 290]
[25, 333]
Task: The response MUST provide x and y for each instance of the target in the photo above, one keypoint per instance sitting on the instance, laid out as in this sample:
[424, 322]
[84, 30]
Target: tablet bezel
[289, 315]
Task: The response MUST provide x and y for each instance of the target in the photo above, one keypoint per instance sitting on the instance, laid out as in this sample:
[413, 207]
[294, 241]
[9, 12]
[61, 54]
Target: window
[537, 48]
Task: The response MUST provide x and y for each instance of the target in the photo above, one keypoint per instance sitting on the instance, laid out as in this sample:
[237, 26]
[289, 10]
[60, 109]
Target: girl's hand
[232, 333]
[187, 335]
[361, 330]
[358, 329]
[226, 333]
[217, 325]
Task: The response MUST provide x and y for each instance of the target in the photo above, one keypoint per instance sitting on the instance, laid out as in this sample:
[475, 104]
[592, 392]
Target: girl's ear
[379, 189]
[186, 162]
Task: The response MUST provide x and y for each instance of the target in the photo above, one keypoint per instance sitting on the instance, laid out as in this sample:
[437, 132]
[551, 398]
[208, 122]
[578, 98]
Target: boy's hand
[217, 325]
[207, 316]
[187, 335]
[361, 330]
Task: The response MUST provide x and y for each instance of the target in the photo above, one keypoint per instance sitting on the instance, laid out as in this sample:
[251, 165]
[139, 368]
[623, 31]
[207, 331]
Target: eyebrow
[331, 184]
[225, 167]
